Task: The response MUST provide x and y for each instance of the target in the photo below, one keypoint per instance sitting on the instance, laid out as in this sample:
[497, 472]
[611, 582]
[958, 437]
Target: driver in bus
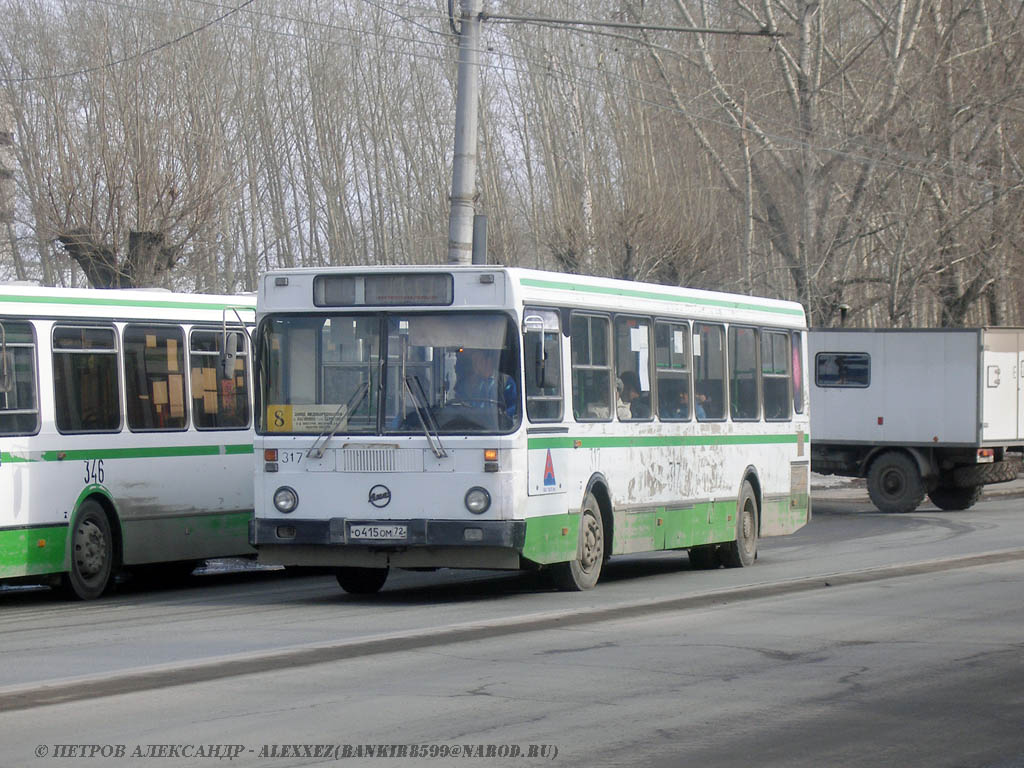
[480, 384]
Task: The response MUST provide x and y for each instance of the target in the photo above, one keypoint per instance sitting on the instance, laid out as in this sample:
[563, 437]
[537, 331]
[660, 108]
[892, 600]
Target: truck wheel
[948, 498]
[583, 572]
[92, 554]
[894, 483]
[986, 474]
[742, 552]
[361, 581]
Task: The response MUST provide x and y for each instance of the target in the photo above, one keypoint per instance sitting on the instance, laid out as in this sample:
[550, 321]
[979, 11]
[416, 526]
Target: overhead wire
[903, 162]
[134, 56]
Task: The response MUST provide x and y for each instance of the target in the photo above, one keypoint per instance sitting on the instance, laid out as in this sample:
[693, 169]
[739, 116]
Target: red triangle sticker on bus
[549, 470]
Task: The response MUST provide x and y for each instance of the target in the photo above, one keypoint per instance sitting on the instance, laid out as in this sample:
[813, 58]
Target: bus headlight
[285, 499]
[478, 500]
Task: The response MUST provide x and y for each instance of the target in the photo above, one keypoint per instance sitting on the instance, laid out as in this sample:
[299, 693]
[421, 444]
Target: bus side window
[218, 401]
[709, 371]
[633, 368]
[743, 373]
[672, 361]
[19, 406]
[798, 372]
[775, 379]
[85, 387]
[154, 370]
[591, 368]
[542, 352]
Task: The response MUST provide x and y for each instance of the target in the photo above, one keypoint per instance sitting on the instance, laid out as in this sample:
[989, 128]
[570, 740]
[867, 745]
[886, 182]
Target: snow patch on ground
[823, 482]
[234, 565]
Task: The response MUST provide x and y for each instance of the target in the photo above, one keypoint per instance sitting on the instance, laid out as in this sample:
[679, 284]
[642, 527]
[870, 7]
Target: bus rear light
[270, 466]
[286, 532]
[270, 454]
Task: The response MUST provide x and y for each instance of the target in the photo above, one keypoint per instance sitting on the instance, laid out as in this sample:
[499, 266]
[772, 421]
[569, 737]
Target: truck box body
[952, 387]
[918, 411]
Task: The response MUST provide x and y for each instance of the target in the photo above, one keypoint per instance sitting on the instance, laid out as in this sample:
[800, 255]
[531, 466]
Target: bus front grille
[380, 460]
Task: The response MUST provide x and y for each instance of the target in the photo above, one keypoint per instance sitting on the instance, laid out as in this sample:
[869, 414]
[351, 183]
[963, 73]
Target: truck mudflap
[986, 474]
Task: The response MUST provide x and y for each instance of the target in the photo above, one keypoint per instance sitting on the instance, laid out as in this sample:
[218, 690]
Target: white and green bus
[125, 432]
[488, 417]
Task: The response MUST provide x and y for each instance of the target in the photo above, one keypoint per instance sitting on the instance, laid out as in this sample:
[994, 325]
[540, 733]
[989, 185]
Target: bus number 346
[94, 471]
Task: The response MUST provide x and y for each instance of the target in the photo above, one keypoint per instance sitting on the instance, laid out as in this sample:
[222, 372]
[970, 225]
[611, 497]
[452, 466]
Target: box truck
[918, 411]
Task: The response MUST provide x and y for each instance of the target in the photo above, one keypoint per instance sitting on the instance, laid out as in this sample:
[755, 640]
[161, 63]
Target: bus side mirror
[229, 354]
[6, 372]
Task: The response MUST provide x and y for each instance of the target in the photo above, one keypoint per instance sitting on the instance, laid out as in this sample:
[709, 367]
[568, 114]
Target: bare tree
[870, 159]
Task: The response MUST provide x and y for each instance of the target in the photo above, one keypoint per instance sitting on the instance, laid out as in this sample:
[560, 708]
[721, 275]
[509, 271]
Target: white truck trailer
[918, 411]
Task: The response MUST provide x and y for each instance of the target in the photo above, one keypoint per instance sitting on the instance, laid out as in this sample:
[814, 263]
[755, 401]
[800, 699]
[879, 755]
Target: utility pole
[7, 166]
[460, 221]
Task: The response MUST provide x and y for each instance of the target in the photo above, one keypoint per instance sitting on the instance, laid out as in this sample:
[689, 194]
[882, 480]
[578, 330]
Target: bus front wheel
[583, 572]
[361, 581]
[92, 554]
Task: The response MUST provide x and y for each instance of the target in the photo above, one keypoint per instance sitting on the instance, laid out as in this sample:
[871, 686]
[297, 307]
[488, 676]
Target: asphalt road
[865, 639]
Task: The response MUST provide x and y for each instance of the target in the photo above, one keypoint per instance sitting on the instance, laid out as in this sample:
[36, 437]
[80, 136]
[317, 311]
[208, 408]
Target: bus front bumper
[418, 533]
[427, 543]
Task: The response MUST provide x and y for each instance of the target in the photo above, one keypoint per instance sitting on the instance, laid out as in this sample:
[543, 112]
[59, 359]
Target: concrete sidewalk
[856, 489]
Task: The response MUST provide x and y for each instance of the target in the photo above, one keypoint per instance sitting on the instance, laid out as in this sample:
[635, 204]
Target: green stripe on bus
[672, 528]
[32, 551]
[553, 538]
[155, 452]
[638, 294]
[232, 450]
[658, 441]
[545, 541]
[111, 302]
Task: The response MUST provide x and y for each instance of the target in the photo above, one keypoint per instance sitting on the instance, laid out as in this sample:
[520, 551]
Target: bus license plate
[377, 532]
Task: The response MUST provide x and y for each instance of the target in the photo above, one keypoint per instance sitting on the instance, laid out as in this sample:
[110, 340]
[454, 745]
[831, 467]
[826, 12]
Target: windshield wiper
[338, 420]
[430, 431]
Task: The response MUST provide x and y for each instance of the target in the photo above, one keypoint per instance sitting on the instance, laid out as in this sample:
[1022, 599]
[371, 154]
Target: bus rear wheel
[583, 572]
[361, 581]
[743, 551]
[92, 554]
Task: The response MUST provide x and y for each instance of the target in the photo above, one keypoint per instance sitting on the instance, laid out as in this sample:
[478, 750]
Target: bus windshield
[453, 373]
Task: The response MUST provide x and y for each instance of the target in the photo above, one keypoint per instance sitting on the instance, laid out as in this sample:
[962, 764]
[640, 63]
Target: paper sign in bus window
[172, 355]
[160, 393]
[176, 395]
